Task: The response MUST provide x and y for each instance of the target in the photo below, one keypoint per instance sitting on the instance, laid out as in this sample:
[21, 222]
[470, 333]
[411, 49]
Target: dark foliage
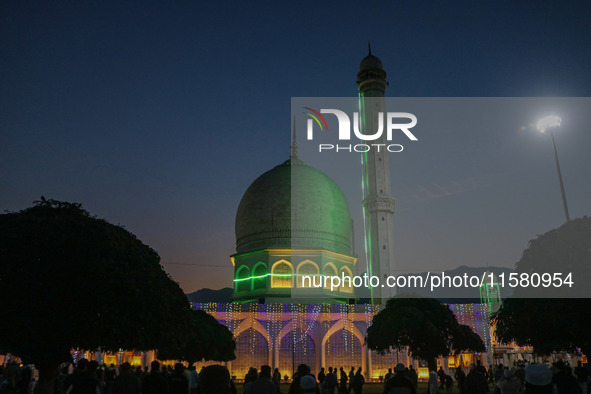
[548, 318]
[564, 250]
[426, 326]
[203, 339]
[70, 280]
[547, 325]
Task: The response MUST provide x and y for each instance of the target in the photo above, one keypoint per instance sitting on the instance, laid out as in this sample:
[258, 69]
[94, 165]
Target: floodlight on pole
[549, 123]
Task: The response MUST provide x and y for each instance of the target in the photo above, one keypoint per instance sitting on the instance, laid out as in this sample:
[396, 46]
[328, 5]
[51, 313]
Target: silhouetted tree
[428, 327]
[552, 324]
[564, 250]
[70, 280]
[203, 339]
[547, 325]
[465, 339]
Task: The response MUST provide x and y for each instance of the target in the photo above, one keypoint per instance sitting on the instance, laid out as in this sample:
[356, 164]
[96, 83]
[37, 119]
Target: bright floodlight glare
[551, 121]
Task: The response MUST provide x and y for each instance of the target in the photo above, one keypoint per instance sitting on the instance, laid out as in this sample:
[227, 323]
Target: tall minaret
[378, 202]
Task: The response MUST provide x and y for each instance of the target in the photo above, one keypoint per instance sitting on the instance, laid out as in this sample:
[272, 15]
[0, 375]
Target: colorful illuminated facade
[321, 335]
[294, 221]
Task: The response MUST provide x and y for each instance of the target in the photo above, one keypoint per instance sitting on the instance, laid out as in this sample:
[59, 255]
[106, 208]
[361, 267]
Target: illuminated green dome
[293, 206]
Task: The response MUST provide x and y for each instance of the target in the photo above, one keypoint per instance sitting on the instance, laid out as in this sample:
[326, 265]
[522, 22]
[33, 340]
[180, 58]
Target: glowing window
[307, 268]
[466, 359]
[259, 280]
[281, 275]
[110, 359]
[346, 285]
[329, 270]
[243, 279]
[451, 362]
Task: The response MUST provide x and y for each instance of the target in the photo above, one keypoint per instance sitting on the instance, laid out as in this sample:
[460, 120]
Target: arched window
[307, 268]
[242, 279]
[281, 275]
[329, 270]
[259, 276]
[346, 285]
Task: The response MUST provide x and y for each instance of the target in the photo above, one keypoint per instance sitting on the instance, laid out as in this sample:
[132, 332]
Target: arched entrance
[296, 347]
[252, 350]
[343, 349]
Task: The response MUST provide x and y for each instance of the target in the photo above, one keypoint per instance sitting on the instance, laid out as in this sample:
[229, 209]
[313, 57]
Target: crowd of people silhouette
[89, 377]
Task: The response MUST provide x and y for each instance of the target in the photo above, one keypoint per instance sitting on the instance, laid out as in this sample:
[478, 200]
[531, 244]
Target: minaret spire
[369, 47]
[294, 145]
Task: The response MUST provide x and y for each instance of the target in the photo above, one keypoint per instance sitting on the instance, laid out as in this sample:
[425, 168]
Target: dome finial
[294, 145]
[369, 47]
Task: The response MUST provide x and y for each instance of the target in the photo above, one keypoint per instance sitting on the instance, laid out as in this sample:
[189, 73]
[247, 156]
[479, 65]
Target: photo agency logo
[392, 123]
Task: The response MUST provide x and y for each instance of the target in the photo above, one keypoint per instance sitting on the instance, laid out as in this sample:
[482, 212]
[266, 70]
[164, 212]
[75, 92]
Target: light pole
[550, 123]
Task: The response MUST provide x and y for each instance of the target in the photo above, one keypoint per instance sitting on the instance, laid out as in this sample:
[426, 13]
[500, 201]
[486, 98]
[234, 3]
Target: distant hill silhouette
[209, 295]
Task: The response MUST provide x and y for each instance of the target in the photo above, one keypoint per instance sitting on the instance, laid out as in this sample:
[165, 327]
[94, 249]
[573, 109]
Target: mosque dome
[293, 206]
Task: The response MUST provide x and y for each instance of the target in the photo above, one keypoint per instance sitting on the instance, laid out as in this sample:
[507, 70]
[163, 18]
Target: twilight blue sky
[158, 115]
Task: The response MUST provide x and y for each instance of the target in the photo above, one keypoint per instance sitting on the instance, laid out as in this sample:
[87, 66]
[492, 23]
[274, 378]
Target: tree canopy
[547, 325]
[428, 327]
[203, 339]
[548, 318]
[564, 250]
[70, 280]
